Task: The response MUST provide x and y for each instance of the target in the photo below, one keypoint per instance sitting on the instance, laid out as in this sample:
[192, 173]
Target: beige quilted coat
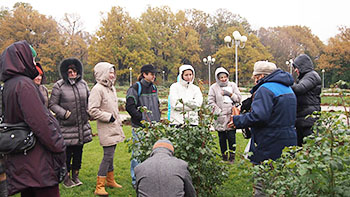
[103, 104]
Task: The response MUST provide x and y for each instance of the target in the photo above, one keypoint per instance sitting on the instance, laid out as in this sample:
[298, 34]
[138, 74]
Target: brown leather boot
[67, 182]
[110, 180]
[75, 177]
[100, 186]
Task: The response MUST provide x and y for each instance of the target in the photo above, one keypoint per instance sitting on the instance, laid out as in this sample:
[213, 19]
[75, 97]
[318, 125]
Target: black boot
[67, 182]
[224, 157]
[75, 177]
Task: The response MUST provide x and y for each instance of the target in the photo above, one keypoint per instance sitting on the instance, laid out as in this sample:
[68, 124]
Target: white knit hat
[264, 67]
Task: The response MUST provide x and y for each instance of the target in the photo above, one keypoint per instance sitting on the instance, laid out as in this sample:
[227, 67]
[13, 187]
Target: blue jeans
[133, 162]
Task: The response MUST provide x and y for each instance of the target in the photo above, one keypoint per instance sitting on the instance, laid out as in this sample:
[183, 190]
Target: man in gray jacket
[163, 174]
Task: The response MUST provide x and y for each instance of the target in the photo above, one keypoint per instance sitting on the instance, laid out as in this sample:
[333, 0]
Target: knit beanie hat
[164, 143]
[264, 67]
[39, 70]
[33, 51]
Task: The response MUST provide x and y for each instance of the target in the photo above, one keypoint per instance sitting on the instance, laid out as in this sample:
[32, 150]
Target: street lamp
[163, 75]
[238, 41]
[323, 78]
[130, 69]
[209, 61]
[290, 65]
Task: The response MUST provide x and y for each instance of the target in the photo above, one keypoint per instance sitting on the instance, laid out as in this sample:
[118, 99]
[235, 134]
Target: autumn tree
[210, 29]
[76, 41]
[42, 32]
[252, 52]
[288, 42]
[121, 41]
[336, 57]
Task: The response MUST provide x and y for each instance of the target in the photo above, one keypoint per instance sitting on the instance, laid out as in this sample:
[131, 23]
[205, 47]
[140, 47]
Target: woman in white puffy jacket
[190, 95]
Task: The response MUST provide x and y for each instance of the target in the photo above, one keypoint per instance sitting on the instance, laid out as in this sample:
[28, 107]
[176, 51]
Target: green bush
[320, 168]
[194, 144]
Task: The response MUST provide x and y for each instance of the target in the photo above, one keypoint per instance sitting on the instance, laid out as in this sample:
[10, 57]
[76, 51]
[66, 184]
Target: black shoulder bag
[246, 106]
[14, 138]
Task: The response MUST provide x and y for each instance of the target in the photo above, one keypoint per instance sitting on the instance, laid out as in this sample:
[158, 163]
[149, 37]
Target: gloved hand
[68, 113]
[226, 93]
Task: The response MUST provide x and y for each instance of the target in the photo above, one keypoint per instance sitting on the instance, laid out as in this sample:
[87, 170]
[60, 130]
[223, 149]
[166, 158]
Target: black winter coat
[307, 89]
[24, 103]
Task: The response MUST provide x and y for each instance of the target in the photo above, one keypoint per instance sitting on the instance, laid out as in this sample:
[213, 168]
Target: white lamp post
[238, 41]
[323, 78]
[163, 76]
[130, 69]
[290, 65]
[209, 61]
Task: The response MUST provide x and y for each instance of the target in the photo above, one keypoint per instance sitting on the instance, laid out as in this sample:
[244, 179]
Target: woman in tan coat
[103, 107]
[223, 95]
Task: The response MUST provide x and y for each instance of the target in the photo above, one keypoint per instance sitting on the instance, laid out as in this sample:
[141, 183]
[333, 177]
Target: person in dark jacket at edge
[162, 174]
[148, 97]
[272, 116]
[37, 173]
[69, 101]
[307, 89]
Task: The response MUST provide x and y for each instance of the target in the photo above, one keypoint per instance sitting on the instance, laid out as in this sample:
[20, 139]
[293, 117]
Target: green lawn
[235, 185]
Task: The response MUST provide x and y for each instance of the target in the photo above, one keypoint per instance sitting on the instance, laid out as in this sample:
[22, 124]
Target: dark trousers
[52, 191]
[107, 161]
[227, 137]
[74, 157]
[301, 133]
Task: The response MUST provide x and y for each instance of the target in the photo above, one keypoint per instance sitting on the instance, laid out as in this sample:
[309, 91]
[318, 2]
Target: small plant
[194, 144]
[320, 168]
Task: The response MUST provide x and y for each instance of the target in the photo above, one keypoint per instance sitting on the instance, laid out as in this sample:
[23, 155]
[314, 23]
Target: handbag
[246, 106]
[14, 138]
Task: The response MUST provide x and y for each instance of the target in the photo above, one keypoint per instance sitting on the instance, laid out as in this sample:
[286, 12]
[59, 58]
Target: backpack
[140, 88]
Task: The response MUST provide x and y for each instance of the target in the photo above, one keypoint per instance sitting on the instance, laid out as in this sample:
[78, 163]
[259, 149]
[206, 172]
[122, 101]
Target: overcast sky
[323, 17]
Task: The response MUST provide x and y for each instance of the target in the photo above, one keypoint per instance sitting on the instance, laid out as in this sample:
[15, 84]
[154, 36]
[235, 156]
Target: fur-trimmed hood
[64, 68]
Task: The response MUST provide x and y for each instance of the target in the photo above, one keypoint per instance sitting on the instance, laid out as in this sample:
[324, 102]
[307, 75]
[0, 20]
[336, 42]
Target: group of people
[59, 122]
[278, 106]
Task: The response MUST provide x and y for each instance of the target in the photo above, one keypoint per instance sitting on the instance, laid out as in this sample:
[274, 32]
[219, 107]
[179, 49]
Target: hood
[181, 70]
[64, 68]
[221, 70]
[278, 76]
[17, 59]
[101, 73]
[303, 63]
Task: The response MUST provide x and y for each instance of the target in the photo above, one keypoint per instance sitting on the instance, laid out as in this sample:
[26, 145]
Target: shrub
[320, 168]
[194, 144]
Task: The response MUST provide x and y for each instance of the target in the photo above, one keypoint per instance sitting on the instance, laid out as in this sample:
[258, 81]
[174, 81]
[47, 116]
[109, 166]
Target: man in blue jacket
[272, 115]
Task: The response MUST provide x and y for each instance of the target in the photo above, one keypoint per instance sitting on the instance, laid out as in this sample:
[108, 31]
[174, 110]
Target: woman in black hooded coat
[307, 89]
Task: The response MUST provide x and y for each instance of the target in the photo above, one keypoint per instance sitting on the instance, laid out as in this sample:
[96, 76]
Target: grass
[334, 100]
[236, 185]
